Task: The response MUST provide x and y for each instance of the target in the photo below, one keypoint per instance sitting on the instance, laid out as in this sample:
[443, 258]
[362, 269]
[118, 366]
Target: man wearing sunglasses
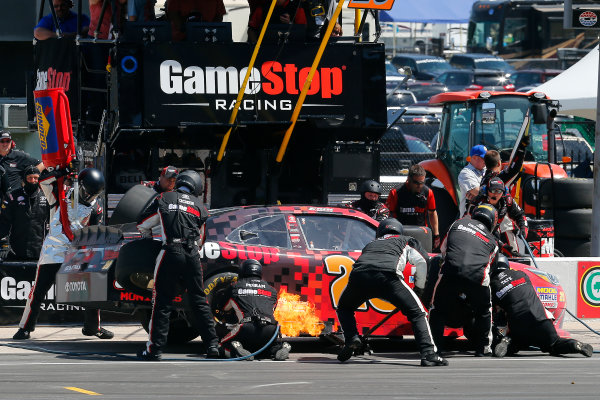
[14, 162]
[413, 203]
[511, 218]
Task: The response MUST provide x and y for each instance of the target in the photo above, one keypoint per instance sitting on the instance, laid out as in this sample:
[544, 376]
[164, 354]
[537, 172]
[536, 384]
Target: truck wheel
[135, 265]
[568, 193]
[214, 288]
[181, 329]
[573, 247]
[132, 205]
[573, 224]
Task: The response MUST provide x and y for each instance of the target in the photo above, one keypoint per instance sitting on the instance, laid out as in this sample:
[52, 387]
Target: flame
[296, 316]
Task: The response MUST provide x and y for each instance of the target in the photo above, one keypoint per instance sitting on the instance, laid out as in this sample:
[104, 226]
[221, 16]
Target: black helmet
[251, 268]
[388, 226]
[91, 183]
[486, 214]
[30, 170]
[191, 180]
[370, 186]
[501, 264]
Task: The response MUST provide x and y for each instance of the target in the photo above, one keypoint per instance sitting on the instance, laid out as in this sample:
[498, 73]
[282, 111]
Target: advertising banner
[588, 294]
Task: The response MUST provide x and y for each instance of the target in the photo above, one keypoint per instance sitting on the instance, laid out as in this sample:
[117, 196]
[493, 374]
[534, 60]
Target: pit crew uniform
[53, 253]
[378, 273]
[181, 217]
[14, 163]
[410, 208]
[467, 251]
[529, 323]
[374, 209]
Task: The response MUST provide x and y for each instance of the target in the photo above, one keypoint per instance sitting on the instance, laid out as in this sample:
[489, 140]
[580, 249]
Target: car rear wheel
[181, 326]
[214, 288]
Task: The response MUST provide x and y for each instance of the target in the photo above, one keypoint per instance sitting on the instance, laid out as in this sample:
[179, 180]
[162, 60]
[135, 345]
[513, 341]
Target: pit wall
[580, 279]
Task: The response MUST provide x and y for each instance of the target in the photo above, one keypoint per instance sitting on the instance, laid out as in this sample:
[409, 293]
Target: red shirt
[410, 208]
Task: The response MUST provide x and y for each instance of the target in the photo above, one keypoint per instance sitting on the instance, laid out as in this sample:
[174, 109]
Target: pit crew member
[369, 201]
[166, 181]
[493, 164]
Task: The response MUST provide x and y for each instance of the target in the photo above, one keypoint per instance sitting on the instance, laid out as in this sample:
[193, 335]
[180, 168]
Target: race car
[305, 250]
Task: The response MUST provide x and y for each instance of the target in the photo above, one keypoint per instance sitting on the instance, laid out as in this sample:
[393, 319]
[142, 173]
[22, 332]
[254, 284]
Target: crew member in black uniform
[369, 201]
[166, 181]
[24, 219]
[378, 273]
[88, 212]
[181, 216]
[414, 204]
[511, 218]
[13, 162]
[529, 323]
[493, 164]
[253, 301]
[468, 251]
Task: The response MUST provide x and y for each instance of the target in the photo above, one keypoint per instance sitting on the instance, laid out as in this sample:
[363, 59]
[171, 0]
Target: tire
[214, 288]
[181, 330]
[573, 224]
[568, 193]
[422, 234]
[137, 260]
[447, 211]
[132, 205]
[573, 247]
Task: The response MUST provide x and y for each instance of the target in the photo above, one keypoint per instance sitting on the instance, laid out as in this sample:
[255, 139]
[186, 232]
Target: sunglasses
[496, 191]
[419, 183]
[5, 140]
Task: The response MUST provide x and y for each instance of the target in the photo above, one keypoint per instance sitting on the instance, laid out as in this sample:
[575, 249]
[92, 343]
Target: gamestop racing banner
[199, 83]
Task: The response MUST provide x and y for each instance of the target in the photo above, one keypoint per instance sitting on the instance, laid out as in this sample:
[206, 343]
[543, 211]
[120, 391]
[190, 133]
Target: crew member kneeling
[253, 301]
[378, 273]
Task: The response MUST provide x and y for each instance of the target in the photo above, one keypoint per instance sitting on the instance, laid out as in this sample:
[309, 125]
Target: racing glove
[524, 230]
[525, 141]
[4, 249]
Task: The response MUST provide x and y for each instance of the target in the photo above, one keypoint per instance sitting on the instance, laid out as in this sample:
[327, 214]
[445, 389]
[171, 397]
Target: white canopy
[576, 88]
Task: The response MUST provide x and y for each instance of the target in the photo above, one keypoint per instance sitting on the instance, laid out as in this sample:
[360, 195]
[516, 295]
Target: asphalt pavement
[60, 363]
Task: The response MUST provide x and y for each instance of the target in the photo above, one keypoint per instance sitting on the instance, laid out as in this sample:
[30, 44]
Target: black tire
[181, 328]
[132, 205]
[568, 193]
[136, 263]
[422, 234]
[447, 211]
[573, 224]
[214, 288]
[573, 247]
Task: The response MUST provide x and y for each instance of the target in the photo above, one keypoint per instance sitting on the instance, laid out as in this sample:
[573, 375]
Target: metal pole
[102, 12]
[55, 19]
[595, 250]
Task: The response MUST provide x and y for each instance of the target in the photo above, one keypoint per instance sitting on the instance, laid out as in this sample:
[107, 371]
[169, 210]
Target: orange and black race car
[305, 250]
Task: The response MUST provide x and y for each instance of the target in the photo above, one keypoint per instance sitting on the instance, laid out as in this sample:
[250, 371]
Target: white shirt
[468, 179]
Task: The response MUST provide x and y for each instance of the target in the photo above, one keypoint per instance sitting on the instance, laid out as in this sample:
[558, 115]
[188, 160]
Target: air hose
[126, 356]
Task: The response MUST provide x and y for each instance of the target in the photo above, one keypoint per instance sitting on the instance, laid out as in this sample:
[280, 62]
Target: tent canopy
[429, 11]
[576, 88]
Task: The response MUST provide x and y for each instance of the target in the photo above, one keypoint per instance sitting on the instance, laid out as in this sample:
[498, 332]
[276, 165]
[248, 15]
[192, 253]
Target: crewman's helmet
[389, 226]
[91, 184]
[251, 268]
[501, 264]
[370, 186]
[486, 214]
[191, 180]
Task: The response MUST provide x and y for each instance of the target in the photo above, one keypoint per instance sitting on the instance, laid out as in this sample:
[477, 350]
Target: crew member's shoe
[433, 360]
[213, 352]
[483, 354]
[353, 344]
[101, 333]
[283, 352]
[21, 334]
[146, 355]
[584, 348]
[238, 351]
[501, 348]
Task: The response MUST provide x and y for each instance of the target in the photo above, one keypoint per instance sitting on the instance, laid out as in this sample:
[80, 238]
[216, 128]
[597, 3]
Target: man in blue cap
[470, 176]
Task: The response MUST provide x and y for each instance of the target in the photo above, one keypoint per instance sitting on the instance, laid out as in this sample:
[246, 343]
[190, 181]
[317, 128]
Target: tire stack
[570, 205]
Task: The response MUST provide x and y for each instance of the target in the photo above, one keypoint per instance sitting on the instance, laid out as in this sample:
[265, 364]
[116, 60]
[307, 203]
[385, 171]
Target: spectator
[24, 218]
[141, 10]
[179, 11]
[469, 178]
[166, 181]
[14, 162]
[67, 21]
[413, 203]
[285, 12]
[104, 32]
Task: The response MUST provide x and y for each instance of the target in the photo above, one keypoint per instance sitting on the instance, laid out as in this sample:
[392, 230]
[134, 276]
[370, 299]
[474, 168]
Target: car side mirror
[407, 71]
[540, 113]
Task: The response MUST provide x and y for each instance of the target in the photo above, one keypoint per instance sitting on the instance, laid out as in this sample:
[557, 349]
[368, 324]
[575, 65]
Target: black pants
[447, 295]
[177, 264]
[252, 336]
[44, 279]
[526, 331]
[365, 285]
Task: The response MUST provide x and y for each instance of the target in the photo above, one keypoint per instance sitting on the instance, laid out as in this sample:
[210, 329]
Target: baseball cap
[169, 172]
[496, 185]
[478, 150]
[5, 135]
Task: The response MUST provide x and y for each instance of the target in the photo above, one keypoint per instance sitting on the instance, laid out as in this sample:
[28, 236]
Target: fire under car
[306, 250]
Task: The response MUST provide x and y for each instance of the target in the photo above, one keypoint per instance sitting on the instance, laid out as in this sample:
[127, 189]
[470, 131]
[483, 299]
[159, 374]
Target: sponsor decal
[588, 18]
[320, 209]
[588, 299]
[548, 296]
[51, 78]
[78, 286]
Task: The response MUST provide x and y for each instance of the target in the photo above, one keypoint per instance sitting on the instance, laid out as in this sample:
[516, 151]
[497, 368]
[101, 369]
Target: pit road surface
[311, 373]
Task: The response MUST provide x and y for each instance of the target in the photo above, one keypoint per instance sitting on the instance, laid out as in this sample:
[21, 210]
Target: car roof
[289, 208]
[476, 71]
[477, 55]
[540, 71]
[417, 56]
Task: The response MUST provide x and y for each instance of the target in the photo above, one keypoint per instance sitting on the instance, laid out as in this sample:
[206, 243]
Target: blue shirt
[68, 25]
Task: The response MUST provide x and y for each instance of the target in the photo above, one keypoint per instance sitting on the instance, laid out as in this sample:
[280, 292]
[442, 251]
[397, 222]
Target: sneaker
[238, 351]
[353, 344]
[21, 334]
[146, 355]
[584, 348]
[483, 354]
[213, 352]
[283, 352]
[101, 333]
[501, 348]
[433, 360]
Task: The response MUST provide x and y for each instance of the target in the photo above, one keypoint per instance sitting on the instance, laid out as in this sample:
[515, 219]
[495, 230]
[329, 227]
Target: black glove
[4, 250]
[525, 140]
[418, 292]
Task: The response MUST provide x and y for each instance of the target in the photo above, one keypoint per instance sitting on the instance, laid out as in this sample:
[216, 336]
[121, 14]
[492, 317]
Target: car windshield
[266, 231]
[492, 63]
[417, 146]
[400, 99]
[325, 232]
[424, 92]
[483, 34]
[433, 66]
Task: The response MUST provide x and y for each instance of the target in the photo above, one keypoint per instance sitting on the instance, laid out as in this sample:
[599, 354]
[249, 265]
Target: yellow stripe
[76, 389]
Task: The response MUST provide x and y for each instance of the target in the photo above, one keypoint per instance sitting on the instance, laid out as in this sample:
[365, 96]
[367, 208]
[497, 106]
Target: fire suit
[378, 273]
[468, 251]
[374, 209]
[253, 301]
[529, 323]
[181, 217]
[410, 208]
[54, 248]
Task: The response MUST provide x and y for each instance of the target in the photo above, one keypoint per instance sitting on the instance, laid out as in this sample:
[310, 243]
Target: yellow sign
[372, 4]
[43, 125]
